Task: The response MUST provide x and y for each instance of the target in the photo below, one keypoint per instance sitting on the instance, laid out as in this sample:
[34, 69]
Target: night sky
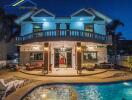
[116, 9]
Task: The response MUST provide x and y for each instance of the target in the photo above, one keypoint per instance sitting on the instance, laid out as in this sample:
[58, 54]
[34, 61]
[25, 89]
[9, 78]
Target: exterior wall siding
[101, 51]
[99, 27]
[76, 23]
[26, 28]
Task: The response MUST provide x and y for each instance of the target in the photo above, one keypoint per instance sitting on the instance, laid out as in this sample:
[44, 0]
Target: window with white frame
[37, 27]
[89, 27]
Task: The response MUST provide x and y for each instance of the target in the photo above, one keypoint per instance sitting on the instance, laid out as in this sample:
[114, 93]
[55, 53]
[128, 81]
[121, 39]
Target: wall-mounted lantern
[44, 19]
[46, 47]
[79, 46]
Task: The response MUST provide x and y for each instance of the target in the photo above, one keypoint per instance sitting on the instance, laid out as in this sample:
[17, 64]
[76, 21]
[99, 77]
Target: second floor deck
[62, 35]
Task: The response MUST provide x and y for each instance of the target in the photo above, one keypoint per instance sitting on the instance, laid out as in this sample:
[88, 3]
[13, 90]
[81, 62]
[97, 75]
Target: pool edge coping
[30, 88]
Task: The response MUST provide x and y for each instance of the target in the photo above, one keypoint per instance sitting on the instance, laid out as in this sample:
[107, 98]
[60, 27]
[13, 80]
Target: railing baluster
[63, 33]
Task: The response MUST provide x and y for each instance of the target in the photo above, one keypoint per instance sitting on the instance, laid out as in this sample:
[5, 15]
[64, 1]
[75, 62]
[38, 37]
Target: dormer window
[37, 27]
[89, 27]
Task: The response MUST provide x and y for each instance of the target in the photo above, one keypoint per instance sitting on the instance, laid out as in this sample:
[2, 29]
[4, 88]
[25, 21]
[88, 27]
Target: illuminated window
[35, 56]
[89, 27]
[37, 27]
[89, 56]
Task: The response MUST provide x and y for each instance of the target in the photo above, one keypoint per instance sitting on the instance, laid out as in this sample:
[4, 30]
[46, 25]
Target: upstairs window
[89, 27]
[37, 27]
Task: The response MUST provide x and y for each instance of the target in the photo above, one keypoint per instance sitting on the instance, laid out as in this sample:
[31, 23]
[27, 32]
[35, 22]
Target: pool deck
[108, 76]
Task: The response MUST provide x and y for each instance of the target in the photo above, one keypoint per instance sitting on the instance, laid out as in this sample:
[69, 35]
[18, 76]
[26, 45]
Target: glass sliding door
[63, 57]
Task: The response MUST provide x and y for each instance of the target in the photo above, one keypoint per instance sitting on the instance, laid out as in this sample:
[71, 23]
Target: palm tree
[116, 36]
[8, 28]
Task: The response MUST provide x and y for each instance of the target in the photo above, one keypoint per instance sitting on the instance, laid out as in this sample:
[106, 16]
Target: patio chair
[88, 66]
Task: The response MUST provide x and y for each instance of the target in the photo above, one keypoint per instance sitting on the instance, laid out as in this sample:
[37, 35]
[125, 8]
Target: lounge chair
[88, 68]
[6, 88]
[36, 65]
[106, 65]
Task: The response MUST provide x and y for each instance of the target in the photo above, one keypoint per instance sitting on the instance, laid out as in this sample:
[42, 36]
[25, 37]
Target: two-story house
[56, 43]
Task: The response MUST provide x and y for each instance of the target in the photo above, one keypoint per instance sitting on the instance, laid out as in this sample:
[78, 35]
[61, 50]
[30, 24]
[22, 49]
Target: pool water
[106, 91]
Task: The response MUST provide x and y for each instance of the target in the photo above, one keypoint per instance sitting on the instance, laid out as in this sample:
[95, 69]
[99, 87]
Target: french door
[62, 57]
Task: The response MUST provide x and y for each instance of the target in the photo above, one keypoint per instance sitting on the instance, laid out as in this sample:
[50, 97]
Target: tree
[116, 36]
[2, 13]
[8, 28]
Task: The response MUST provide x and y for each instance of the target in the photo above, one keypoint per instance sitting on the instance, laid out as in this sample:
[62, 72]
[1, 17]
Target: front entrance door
[63, 57]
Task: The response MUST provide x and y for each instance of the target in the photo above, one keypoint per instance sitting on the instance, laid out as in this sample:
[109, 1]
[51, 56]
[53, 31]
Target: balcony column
[78, 51]
[46, 58]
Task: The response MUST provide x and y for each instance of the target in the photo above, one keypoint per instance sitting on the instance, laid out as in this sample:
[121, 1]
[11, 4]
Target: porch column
[78, 50]
[46, 57]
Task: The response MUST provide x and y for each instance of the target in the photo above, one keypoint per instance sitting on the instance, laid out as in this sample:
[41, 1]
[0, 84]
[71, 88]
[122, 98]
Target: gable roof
[82, 12]
[100, 15]
[28, 19]
[43, 13]
[25, 16]
[97, 18]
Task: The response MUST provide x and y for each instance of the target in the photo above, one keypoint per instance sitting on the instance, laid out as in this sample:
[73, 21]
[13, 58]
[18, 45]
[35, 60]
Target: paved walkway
[72, 73]
[108, 76]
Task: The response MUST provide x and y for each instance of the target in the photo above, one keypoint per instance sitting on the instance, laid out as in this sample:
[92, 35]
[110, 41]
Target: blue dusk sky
[116, 9]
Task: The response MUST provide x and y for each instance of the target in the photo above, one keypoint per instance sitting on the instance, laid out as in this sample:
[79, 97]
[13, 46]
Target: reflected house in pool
[56, 43]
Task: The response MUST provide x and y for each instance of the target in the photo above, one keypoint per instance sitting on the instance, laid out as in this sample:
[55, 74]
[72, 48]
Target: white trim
[99, 14]
[44, 10]
[80, 11]
[24, 16]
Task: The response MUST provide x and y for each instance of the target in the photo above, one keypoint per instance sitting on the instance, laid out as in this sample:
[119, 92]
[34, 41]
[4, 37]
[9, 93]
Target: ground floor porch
[62, 56]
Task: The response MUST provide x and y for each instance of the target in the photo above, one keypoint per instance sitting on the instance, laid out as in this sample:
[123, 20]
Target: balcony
[62, 35]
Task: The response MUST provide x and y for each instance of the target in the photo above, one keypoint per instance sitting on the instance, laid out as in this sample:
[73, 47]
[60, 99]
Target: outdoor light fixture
[126, 83]
[44, 19]
[78, 48]
[91, 47]
[81, 19]
[43, 96]
[17, 3]
[36, 47]
[46, 48]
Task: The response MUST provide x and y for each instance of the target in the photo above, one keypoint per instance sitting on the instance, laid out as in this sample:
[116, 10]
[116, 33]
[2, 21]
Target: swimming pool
[103, 91]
